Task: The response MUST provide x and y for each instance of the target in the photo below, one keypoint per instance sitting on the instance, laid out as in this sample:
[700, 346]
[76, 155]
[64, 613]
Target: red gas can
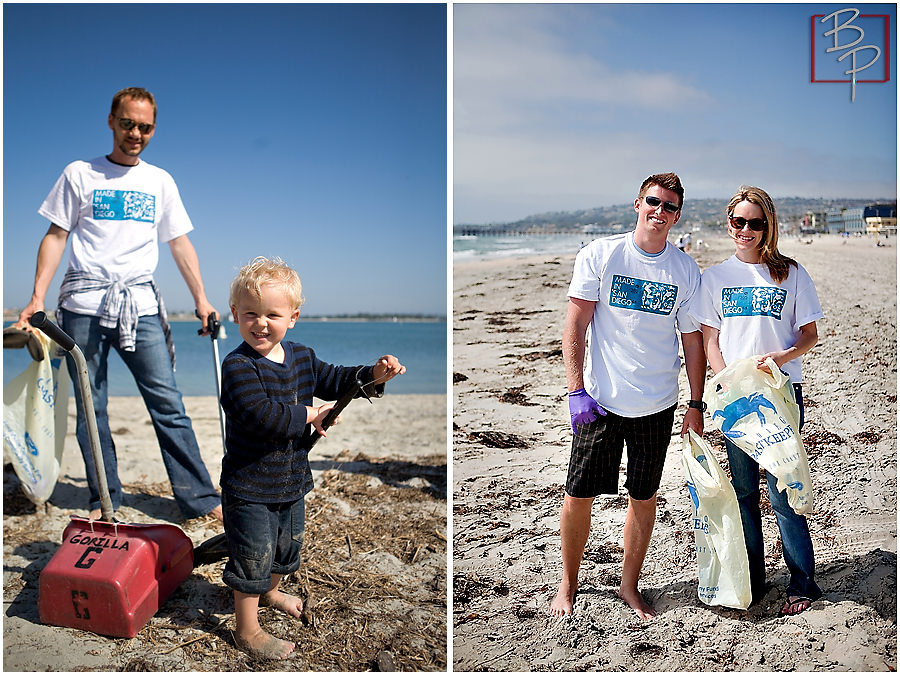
[111, 578]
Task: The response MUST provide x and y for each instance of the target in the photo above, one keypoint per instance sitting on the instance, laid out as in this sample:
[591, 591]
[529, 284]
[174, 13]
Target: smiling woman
[753, 207]
[771, 312]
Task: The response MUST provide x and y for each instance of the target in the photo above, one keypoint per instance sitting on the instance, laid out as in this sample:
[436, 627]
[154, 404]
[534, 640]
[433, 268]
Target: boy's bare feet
[288, 604]
[562, 604]
[261, 645]
[635, 600]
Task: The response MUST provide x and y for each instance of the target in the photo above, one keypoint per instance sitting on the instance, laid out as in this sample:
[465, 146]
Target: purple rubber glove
[582, 408]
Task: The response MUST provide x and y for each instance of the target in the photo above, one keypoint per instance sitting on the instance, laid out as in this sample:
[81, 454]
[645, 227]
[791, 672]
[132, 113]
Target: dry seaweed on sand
[373, 570]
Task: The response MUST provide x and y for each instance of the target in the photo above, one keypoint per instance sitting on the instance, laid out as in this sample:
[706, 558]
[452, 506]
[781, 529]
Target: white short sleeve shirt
[642, 302]
[116, 216]
[752, 313]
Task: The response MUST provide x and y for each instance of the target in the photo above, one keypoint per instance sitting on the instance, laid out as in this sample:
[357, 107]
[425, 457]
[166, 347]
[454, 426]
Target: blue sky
[317, 133]
[564, 107]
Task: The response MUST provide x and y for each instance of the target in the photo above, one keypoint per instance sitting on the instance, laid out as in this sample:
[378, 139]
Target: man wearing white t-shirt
[633, 291]
[115, 209]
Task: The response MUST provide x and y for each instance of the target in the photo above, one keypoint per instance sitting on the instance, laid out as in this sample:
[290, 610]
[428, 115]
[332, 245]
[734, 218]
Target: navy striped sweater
[267, 437]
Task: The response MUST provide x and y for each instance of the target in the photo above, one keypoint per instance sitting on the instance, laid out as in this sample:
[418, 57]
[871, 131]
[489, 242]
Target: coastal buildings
[881, 218]
[875, 219]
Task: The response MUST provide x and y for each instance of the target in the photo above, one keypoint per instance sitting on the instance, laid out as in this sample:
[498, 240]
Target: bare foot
[635, 600]
[561, 605]
[216, 513]
[97, 514]
[261, 645]
[288, 604]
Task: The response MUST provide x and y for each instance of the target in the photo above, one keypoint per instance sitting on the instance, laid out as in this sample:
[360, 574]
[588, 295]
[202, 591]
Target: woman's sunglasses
[755, 224]
[669, 207]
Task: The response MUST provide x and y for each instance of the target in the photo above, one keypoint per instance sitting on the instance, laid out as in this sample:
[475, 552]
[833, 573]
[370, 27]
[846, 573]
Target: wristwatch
[699, 405]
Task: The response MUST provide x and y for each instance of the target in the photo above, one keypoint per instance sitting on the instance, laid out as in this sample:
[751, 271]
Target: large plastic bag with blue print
[756, 410]
[35, 408]
[722, 567]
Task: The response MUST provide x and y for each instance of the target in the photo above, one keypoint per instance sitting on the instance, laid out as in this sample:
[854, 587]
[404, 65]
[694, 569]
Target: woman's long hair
[778, 264]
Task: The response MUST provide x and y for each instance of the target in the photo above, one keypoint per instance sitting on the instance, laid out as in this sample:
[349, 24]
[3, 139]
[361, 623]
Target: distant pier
[518, 232]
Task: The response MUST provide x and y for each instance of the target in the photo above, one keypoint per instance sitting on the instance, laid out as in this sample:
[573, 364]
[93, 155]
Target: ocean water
[420, 346]
[481, 247]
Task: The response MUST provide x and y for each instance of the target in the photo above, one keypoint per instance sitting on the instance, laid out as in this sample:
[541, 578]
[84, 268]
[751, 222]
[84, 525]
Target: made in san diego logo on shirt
[753, 301]
[124, 205]
[644, 296]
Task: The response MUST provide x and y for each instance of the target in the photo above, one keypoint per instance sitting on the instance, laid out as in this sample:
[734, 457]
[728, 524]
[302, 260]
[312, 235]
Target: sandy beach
[374, 563]
[511, 439]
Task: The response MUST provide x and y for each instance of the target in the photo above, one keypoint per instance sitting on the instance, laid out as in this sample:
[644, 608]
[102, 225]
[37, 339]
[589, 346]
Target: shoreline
[462, 258]
[12, 314]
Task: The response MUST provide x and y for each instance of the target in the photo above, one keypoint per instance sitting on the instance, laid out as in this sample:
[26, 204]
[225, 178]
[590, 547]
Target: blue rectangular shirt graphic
[642, 295]
[124, 205]
[753, 301]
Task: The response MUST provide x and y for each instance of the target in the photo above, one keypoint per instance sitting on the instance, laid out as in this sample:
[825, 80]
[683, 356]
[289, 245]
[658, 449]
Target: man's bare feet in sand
[561, 605]
[288, 604]
[635, 600]
[261, 645]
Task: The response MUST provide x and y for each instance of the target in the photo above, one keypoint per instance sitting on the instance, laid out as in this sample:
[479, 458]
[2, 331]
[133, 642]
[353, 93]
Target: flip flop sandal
[788, 609]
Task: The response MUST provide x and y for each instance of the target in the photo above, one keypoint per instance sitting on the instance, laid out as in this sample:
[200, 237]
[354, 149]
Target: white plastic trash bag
[35, 406]
[758, 412]
[722, 566]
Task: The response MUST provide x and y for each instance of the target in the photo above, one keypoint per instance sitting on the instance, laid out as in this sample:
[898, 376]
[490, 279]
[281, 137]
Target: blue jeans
[151, 367]
[263, 539]
[795, 540]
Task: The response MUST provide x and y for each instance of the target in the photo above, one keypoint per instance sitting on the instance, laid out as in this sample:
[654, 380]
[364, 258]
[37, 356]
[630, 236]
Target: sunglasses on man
[127, 125]
[668, 207]
[755, 224]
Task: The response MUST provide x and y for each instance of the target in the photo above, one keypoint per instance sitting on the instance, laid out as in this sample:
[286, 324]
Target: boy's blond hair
[261, 272]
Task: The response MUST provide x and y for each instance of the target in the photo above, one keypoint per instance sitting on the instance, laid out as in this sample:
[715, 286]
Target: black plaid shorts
[597, 454]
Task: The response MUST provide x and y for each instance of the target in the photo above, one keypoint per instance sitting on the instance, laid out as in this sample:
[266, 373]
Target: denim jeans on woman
[795, 540]
[151, 367]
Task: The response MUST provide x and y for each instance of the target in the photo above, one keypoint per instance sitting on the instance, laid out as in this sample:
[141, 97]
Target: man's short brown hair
[138, 94]
[669, 181]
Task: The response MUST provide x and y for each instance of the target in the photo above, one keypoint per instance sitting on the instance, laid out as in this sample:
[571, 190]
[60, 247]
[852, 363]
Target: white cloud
[538, 120]
[513, 66]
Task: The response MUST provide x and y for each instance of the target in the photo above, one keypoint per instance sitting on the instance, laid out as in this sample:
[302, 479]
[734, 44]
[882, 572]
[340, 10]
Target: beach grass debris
[498, 439]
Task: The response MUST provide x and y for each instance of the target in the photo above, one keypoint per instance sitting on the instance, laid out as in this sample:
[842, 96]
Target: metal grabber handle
[39, 320]
[213, 325]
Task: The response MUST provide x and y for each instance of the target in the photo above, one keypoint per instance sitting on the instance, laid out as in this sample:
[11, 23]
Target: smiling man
[633, 292]
[116, 209]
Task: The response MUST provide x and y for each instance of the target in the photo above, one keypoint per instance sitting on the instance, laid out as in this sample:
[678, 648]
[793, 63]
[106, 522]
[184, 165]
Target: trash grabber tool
[214, 325]
[216, 548]
[348, 395]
